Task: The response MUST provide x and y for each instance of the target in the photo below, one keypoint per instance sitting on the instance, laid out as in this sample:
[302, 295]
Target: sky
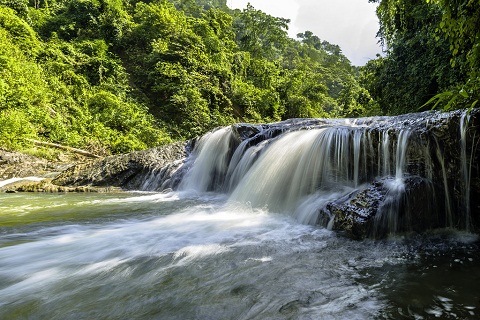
[351, 24]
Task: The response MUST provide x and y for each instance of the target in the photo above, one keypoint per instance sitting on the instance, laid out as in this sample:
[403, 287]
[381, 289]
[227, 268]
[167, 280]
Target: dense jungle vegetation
[112, 76]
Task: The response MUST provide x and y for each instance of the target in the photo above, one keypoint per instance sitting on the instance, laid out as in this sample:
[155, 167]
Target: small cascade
[210, 160]
[466, 168]
[242, 161]
[385, 154]
[387, 214]
[315, 161]
[357, 140]
[393, 174]
[267, 182]
[400, 155]
[448, 204]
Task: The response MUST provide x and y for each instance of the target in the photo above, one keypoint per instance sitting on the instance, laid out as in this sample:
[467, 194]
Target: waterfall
[210, 162]
[400, 155]
[302, 171]
[448, 206]
[390, 207]
[297, 165]
[466, 167]
[357, 139]
[385, 152]
[390, 171]
[242, 160]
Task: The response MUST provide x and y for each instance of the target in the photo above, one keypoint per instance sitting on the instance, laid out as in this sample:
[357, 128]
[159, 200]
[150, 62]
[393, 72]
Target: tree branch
[59, 146]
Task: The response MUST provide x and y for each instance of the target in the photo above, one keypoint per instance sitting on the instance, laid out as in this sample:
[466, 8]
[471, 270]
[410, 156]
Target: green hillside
[112, 76]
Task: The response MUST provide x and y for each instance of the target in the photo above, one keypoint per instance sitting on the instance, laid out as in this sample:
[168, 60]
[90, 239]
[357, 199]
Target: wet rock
[384, 207]
[244, 131]
[354, 213]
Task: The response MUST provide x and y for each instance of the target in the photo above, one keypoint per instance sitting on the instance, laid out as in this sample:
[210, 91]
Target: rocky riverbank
[20, 172]
[17, 165]
[113, 173]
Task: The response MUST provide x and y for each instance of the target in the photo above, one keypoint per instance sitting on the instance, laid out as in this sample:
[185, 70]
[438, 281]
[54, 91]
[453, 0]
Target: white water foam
[210, 158]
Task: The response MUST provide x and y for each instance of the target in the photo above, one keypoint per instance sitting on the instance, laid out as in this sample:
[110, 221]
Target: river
[182, 255]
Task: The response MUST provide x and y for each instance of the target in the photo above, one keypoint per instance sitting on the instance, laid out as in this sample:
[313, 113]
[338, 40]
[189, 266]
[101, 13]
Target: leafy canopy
[114, 76]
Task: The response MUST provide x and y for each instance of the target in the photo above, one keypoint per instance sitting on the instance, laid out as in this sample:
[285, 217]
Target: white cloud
[351, 24]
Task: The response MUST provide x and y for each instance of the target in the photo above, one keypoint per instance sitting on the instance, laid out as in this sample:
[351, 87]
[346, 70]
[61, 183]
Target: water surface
[189, 256]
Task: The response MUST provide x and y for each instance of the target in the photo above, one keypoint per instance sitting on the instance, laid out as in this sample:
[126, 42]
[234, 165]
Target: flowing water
[241, 237]
[182, 256]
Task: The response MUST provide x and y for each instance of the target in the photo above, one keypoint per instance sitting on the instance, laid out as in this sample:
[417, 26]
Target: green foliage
[14, 128]
[18, 30]
[460, 26]
[261, 34]
[433, 56]
[20, 7]
[112, 76]
[466, 96]
[52, 91]
[87, 19]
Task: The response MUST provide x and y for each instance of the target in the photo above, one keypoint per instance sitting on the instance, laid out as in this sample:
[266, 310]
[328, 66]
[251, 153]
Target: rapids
[252, 225]
[178, 255]
[326, 172]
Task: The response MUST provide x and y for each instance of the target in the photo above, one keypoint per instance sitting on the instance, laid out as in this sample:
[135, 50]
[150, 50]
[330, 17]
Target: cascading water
[307, 166]
[316, 161]
[466, 168]
[210, 160]
[390, 207]
[448, 206]
[234, 248]
[385, 152]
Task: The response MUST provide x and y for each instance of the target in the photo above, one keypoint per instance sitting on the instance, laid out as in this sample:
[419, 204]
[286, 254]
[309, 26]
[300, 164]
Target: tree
[261, 34]
[460, 25]
[116, 75]
[432, 48]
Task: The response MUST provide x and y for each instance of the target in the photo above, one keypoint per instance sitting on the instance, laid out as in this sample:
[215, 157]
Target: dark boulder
[386, 206]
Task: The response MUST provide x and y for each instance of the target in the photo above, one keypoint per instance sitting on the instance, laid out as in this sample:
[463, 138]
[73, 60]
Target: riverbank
[17, 165]
[20, 172]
